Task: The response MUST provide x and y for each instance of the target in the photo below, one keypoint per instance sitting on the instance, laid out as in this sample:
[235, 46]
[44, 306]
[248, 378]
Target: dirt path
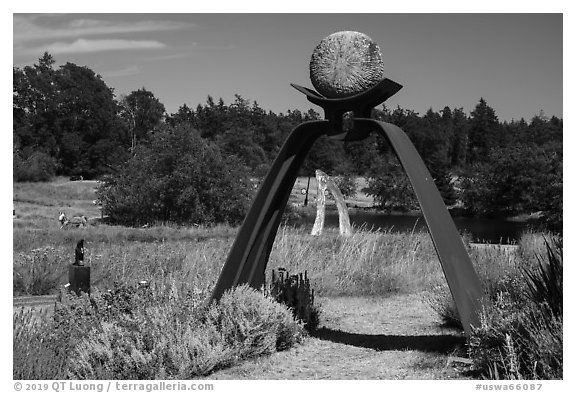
[41, 304]
[366, 338]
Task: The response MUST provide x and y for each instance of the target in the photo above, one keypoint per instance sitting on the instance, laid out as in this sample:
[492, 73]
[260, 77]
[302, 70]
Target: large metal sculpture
[251, 249]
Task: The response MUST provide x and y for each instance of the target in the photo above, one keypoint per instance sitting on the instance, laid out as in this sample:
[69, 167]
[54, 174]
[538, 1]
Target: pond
[481, 230]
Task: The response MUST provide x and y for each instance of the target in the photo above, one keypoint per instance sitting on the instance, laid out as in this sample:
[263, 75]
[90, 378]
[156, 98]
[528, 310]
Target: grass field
[368, 263]
[374, 288]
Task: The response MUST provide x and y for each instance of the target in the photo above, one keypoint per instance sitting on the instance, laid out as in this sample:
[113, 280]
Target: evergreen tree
[460, 126]
[185, 115]
[484, 133]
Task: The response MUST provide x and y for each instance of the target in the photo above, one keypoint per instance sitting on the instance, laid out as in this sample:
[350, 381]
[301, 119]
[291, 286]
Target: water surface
[481, 230]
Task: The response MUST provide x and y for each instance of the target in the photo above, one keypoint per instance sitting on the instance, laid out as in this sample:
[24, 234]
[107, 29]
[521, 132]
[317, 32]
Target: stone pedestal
[79, 279]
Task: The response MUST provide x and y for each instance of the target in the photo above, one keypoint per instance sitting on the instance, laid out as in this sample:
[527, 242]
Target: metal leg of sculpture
[249, 254]
[458, 270]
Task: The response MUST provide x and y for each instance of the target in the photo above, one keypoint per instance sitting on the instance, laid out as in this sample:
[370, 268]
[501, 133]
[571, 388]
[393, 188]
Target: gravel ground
[366, 338]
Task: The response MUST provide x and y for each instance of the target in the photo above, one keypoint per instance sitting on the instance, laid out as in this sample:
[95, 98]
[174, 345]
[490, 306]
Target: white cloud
[174, 56]
[42, 27]
[87, 46]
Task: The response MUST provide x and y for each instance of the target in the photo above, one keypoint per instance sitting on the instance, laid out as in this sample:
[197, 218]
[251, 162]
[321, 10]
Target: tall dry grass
[43, 271]
[367, 263]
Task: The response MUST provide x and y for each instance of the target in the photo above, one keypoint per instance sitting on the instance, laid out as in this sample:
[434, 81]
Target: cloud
[88, 46]
[48, 27]
[174, 56]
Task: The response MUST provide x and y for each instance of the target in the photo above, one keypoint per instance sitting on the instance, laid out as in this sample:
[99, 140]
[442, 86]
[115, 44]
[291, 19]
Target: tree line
[67, 121]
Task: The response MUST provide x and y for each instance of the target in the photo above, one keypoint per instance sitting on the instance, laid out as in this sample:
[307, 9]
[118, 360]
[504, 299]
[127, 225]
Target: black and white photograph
[277, 196]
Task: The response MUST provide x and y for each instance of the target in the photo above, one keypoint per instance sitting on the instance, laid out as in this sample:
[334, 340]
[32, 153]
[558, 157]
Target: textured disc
[345, 63]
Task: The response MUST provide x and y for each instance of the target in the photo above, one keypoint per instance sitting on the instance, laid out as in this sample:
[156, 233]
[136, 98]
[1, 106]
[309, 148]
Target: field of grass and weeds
[368, 263]
[183, 260]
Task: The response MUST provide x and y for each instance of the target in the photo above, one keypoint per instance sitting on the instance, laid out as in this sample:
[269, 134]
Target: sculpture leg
[462, 279]
[246, 262]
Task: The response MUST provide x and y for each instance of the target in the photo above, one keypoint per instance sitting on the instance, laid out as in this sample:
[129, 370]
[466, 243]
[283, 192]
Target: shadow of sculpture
[444, 343]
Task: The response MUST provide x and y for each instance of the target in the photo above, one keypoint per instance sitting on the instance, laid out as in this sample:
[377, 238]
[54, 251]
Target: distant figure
[79, 254]
[62, 218]
[98, 202]
[78, 221]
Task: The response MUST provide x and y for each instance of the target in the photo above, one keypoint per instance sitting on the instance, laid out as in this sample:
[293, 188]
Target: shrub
[38, 166]
[295, 293]
[347, 185]
[517, 179]
[37, 353]
[254, 323]
[441, 301]
[515, 342]
[499, 272]
[161, 342]
[521, 332]
[391, 188]
[545, 283]
[38, 273]
[154, 332]
[177, 177]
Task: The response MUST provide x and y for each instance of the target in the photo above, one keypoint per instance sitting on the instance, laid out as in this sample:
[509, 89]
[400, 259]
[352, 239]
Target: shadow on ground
[382, 342]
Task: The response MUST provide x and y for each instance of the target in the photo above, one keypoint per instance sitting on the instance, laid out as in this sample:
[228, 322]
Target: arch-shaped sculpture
[325, 183]
[250, 251]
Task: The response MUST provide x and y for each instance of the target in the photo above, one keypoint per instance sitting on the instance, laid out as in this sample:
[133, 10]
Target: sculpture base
[79, 279]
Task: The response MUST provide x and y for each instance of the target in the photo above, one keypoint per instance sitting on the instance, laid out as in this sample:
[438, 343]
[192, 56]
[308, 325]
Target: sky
[513, 61]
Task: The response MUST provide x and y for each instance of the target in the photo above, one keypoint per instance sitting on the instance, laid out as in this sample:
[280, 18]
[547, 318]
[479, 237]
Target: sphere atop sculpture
[345, 63]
